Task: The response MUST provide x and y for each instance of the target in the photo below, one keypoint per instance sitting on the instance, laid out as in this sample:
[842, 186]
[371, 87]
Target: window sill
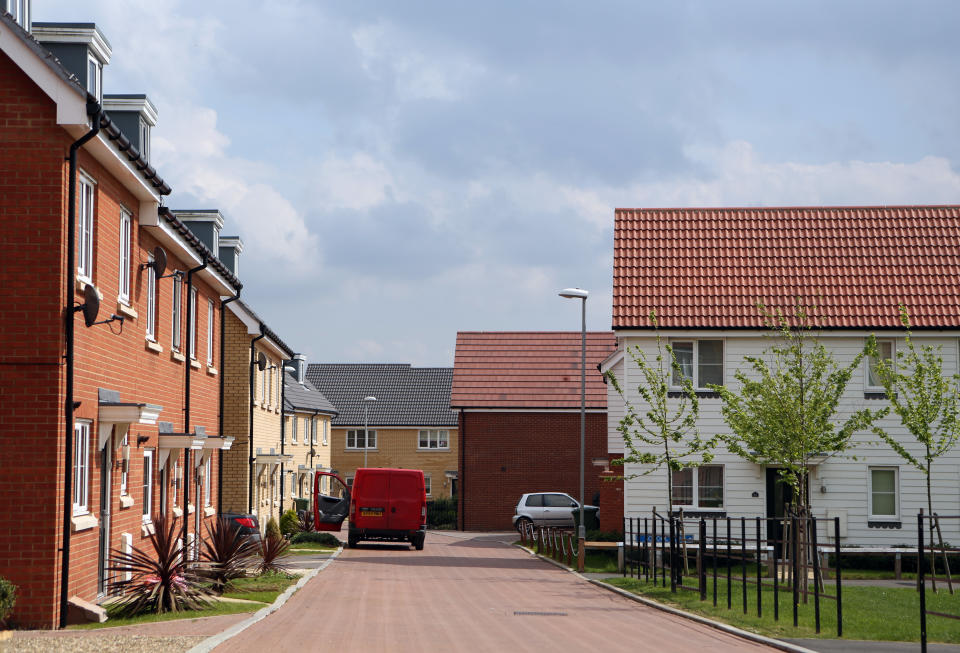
[126, 310]
[82, 523]
[701, 394]
[177, 356]
[884, 523]
[153, 346]
[126, 502]
[436, 449]
[209, 511]
[195, 364]
[177, 512]
[83, 282]
[212, 371]
[190, 508]
[874, 394]
[146, 529]
[706, 513]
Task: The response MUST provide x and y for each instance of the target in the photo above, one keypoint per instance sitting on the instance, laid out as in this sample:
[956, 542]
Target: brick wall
[508, 454]
[399, 448]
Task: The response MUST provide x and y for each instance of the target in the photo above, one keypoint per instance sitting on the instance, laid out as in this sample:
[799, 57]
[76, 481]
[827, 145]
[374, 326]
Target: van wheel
[352, 541]
[418, 542]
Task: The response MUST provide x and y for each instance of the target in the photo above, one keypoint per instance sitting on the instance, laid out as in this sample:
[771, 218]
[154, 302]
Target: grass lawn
[870, 613]
[310, 548]
[215, 610]
[265, 588]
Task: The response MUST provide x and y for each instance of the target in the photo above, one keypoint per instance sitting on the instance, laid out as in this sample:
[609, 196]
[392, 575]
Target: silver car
[546, 509]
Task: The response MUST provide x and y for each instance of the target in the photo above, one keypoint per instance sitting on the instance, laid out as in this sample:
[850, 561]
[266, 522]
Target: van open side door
[331, 501]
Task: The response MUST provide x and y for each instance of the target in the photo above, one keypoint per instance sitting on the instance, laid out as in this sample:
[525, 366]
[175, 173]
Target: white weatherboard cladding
[844, 477]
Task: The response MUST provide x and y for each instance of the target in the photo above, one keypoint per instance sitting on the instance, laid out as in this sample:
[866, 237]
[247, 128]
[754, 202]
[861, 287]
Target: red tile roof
[527, 369]
[707, 268]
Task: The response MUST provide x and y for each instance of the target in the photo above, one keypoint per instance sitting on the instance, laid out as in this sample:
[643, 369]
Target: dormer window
[94, 77]
[145, 139]
[20, 10]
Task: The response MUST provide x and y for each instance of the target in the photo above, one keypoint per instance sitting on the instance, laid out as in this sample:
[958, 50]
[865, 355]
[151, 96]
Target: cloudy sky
[399, 171]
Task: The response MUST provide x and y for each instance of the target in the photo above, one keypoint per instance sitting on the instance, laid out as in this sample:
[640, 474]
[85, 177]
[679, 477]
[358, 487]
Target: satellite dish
[159, 262]
[261, 362]
[91, 304]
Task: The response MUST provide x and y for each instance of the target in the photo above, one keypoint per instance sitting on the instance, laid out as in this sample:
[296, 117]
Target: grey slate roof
[406, 396]
[304, 397]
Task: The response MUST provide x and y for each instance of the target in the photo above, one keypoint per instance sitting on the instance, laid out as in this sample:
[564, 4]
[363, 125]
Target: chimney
[300, 364]
[135, 115]
[81, 48]
[230, 248]
[205, 224]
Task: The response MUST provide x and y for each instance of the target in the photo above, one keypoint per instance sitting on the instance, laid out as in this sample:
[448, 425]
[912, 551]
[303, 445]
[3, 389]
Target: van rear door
[371, 489]
[331, 501]
[406, 500]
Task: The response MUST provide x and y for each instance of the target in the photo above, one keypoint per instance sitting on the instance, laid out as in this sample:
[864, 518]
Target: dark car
[245, 523]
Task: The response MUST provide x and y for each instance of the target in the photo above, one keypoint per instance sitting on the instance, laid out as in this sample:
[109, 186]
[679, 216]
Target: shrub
[226, 552]
[273, 553]
[159, 582]
[442, 513]
[327, 539]
[604, 536]
[289, 522]
[8, 598]
[272, 528]
[305, 521]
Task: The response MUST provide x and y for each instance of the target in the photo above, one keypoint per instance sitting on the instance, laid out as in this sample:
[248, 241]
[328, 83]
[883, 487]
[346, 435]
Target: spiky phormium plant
[273, 553]
[226, 554]
[305, 521]
[161, 582]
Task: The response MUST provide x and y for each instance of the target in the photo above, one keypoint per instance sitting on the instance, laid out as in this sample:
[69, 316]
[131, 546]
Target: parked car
[245, 523]
[547, 509]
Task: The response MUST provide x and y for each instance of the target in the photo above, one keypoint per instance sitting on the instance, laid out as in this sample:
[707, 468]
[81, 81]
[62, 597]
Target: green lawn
[870, 613]
[310, 548]
[215, 610]
[265, 588]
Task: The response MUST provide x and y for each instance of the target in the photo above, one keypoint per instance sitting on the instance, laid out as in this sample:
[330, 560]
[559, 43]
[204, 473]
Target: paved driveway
[466, 592]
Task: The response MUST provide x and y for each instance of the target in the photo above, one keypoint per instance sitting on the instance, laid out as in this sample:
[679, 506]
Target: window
[124, 272]
[210, 332]
[85, 229]
[426, 483]
[125, 469]
[81, 467]
[145, 145]
[151, 302]
[94, 70]
[313, 431]
[263, 385]
[883, 493]
[207, 482]
[434, 439]
[699, 487]
[349, 480]
[886, 349]
[270, 385]
[356, 439]
[177, 301]
[323, 426]
[147, 485]
[535, 501]
[20, 10]
[293, 432]
[192, 317]
[175, 482]
[708, 369]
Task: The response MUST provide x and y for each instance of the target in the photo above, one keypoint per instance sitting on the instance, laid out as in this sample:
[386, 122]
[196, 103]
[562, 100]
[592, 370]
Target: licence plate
[371, 512]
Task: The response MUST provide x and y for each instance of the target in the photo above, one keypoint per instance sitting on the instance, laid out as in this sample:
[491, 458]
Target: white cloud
[357, 182]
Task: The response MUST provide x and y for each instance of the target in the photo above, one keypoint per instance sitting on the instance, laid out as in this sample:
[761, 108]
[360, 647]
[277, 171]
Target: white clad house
[704, 270]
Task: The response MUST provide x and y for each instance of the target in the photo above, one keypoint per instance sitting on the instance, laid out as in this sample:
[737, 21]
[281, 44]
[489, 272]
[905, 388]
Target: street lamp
[366, 431]
[579, 293]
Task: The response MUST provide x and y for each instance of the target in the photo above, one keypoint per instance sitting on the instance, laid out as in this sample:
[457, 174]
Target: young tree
[784, 413]
[663, 432]
[926, 401]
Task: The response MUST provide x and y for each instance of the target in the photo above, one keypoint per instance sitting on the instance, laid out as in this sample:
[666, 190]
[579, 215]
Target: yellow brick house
[410, 423]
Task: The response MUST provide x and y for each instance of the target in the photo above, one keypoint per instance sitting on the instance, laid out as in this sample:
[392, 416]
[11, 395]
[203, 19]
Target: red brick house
[105, 426]
[518, 398]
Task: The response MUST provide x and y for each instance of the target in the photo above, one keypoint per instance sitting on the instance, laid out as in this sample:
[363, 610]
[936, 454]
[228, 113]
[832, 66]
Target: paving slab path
[467, 592]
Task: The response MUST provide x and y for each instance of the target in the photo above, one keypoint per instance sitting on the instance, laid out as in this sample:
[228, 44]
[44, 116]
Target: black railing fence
[930, 548]
[704, 554]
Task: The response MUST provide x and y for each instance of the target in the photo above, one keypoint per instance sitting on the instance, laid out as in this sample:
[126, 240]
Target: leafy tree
[663, 432]
[784, 412]
[927, 402]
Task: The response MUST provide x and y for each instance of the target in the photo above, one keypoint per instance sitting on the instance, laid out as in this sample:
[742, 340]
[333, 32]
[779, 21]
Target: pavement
[465, 592]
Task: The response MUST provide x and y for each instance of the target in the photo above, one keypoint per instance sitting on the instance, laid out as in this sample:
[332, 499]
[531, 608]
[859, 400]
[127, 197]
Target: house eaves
[256, 326]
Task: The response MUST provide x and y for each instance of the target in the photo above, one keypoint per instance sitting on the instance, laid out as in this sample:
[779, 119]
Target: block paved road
[463, 592]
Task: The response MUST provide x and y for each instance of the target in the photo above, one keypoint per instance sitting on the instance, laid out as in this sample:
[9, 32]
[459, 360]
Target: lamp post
[366, 431]
[579, 293]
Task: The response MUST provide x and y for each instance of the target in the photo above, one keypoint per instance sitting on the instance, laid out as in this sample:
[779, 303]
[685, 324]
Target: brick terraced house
[110, 417]
[704, 270]
[410, 424]
[517, 396]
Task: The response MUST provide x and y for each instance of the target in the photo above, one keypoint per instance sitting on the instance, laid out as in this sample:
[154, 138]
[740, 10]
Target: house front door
[103, 552]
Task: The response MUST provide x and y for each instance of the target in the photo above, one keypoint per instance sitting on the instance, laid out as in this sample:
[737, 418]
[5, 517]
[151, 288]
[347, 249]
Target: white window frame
[151, 332]
[126, 236]
[896, 497]
[869, 363]
[695, 499]
[20, 10]
[125, 469]
[175, 476]
[145, 144]
[428, 484]
[293, 431]
[313, 430]
[695, 378]
[210, 320]
[81, 467]
[147, 486]
[192, 317]
[354, 434]
[263, 384]
[208, 468]
[97, 90]
[433, 439]
[325, 425]
[177, 318]
[85, 226]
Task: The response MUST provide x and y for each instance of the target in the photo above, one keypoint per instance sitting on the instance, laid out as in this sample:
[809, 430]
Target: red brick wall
[507, 454]
[33, 188]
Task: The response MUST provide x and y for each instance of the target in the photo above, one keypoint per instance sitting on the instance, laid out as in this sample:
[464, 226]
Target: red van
[384, 504]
